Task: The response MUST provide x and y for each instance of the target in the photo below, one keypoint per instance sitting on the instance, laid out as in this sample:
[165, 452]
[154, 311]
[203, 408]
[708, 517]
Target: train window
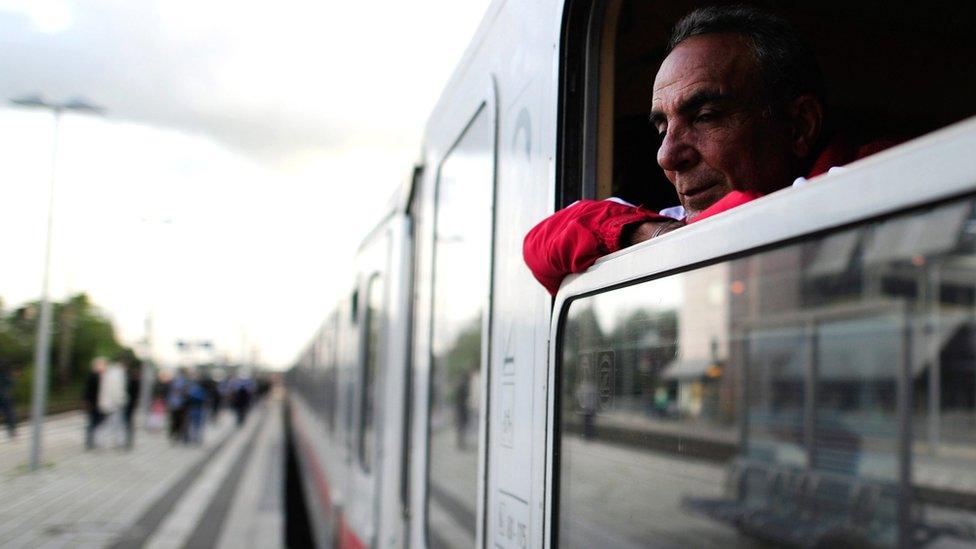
[462, 255]
[877, 61]
[372, 346]
[329, 395]
[331, 375]
[347, 419]
[354, 307]
[346, 384]
[822, 393]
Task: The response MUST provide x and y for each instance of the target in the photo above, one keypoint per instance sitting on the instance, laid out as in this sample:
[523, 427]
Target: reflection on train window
[461, 278]
[819, 394]
[371, 365]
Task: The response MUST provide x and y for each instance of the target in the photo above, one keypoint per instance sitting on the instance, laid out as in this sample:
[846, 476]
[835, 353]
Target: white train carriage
[800, 371]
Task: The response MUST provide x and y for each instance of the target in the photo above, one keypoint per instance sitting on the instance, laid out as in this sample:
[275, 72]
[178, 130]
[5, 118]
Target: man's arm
[647, 230]
[572, 239]
[653, 229]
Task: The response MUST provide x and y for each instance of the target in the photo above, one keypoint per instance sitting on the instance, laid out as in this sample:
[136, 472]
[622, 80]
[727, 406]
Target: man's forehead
[718, 62]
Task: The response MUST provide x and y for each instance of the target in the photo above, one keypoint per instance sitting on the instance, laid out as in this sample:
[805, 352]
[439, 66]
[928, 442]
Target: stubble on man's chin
[702, 203]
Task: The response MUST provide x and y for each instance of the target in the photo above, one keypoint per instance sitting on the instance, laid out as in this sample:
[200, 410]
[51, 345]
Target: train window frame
[485, 106]
[605, 147]
[894, 314]
[371, 357]
[579, 98]
[412, 205]
[872, 189]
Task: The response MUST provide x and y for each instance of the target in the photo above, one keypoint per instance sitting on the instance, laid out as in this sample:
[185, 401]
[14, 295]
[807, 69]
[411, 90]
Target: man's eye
[707, 116]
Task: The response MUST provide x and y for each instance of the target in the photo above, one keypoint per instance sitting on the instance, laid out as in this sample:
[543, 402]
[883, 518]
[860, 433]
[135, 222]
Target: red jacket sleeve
[727, 202]
[572, 239]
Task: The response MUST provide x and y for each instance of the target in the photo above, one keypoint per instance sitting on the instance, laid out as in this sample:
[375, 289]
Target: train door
[452, 331]
[520, 314]
[391, 391]
[361, 516]
[762, 378]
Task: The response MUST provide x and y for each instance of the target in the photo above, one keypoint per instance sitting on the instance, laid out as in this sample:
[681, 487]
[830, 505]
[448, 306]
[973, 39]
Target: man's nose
[676, 153]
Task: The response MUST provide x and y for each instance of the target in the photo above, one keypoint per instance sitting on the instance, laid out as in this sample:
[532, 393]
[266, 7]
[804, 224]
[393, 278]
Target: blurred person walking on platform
[462, 393]
[112, 399]
[241, 396]
[196, 399]
[6, 399]
[157, 410]
[213, 396]
[176, 403]
[92, 388]
[132, 386]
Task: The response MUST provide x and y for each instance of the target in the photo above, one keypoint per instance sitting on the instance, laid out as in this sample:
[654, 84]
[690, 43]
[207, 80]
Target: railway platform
[225, 492]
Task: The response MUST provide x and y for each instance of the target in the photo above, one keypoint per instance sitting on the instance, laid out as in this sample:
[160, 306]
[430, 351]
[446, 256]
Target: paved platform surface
[225, 492]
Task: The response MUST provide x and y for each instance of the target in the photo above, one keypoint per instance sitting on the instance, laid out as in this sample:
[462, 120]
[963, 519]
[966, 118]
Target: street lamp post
[145, 387]
[43, 340]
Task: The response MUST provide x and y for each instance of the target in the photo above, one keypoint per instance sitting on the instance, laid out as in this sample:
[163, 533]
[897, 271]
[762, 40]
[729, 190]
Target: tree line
[80, 332]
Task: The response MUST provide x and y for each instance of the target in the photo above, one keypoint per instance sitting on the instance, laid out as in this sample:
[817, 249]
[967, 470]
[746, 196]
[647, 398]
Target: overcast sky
[244, 152]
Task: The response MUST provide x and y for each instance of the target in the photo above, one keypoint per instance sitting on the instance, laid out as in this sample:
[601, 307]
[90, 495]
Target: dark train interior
[893, 70]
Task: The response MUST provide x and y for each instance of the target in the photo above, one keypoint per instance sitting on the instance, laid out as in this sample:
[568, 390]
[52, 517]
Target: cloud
[273, 80]
[46, 16]
[270, 134]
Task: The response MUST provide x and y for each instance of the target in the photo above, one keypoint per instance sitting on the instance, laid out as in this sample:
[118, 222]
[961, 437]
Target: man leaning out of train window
[739, 106]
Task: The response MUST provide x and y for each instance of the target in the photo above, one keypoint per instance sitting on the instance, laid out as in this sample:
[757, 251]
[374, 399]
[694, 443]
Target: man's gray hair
[787, 65]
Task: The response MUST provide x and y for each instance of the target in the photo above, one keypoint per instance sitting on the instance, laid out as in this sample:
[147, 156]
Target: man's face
[716, 136]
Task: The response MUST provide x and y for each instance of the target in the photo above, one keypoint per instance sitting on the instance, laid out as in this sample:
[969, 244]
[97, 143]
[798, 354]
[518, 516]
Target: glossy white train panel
[797, 372]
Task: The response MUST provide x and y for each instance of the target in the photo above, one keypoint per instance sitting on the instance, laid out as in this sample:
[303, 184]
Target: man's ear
[806, 119]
